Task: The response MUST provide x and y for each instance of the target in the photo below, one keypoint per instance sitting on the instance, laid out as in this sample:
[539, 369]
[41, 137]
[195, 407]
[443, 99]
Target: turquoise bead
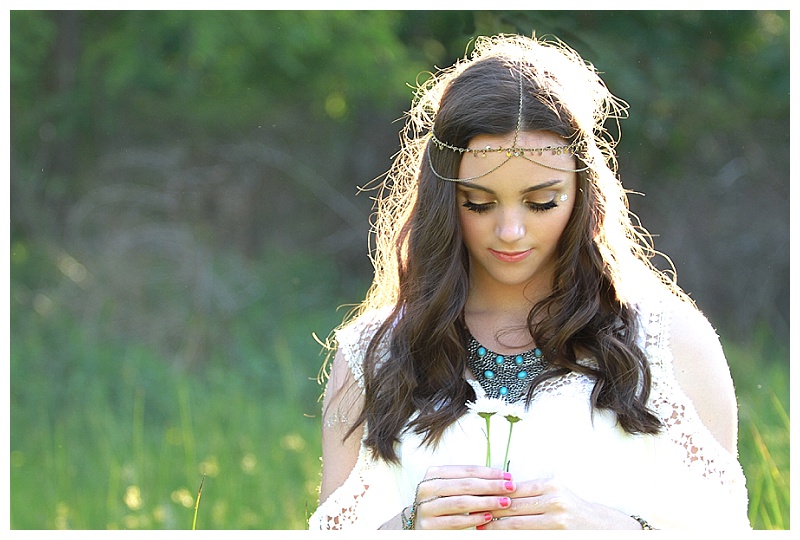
[537, 353]
[522, 374]
[481, 351]
[503, 390]
[518, 360]
[489, 374]
[500, 360]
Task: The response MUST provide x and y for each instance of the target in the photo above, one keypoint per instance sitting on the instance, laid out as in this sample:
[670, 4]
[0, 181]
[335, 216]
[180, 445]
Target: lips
[510, 256]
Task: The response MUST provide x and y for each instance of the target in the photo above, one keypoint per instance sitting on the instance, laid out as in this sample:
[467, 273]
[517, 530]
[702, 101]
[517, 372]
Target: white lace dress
[680, 479]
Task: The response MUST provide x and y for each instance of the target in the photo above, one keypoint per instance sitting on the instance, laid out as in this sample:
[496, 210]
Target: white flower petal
[515, 410]
[486, 406]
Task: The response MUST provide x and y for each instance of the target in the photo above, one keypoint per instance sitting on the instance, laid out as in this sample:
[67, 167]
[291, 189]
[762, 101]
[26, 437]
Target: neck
[497, 315]
[491, 297]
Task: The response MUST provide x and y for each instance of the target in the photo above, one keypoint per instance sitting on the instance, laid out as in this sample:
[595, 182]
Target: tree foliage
[250, 119]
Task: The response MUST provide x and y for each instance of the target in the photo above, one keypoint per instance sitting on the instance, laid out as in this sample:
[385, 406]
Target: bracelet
[645, 525]
[429, 499]
[408, 523]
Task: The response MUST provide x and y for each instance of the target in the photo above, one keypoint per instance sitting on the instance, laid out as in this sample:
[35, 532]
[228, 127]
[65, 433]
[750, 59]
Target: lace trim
[345, 516]
[575, 383]
[342, 508]
[681, 421]
[354, 339]
[578, 382]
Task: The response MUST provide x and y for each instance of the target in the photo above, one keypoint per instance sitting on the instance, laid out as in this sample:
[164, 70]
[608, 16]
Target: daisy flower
[486, 408]
[513, 413]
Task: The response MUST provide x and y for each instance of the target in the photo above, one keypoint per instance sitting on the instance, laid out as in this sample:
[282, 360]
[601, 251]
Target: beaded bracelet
[645, 525]
[408, 522]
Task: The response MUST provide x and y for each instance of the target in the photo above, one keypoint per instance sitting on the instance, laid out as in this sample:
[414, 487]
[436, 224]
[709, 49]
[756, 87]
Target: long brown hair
[415, 362]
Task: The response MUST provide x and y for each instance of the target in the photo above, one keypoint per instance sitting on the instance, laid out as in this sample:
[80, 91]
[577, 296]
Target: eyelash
[535, 207]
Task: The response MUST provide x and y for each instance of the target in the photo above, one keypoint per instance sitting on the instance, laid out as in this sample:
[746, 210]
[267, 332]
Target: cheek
[559, 226]
[471, 229]
[548, 229]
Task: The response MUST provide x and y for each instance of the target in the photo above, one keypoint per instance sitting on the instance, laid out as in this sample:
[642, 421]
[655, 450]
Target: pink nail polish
[480, 527]
[506, 476]
[509, 486]
[487, 517]
[505, 502]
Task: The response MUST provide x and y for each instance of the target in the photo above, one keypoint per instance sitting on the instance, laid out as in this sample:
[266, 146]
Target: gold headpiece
[512, 151]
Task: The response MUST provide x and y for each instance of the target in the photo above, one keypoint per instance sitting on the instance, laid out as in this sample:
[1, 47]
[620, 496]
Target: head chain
[513, 151]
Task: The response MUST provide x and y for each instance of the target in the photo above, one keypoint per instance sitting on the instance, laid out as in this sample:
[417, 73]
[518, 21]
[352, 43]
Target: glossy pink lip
[510, 256]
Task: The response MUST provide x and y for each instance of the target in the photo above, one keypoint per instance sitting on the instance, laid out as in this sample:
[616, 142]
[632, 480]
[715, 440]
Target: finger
[467, 471]
[472, 481]
[450, 512]
[461, 504]
[539, 497]
[453, 522]
[447, 487]
[520, 523]
[536, 488]
[525, 506]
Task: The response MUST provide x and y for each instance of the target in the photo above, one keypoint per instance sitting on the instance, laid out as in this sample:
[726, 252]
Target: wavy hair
[422, 266]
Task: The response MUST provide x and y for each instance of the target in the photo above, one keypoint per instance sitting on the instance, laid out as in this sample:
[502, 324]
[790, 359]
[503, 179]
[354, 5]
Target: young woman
[509, 279]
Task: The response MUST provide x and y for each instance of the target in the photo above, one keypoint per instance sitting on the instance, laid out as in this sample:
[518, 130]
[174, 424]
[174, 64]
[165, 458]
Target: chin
[515, 280]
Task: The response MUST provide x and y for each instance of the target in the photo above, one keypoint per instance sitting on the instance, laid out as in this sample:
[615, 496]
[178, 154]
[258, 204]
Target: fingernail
[509, 486]
[487, 517]
[506, 476]
[480, 527]
[505, 502]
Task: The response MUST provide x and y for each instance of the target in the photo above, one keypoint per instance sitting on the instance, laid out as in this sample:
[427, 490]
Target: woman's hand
[547, 504]
[460, 497]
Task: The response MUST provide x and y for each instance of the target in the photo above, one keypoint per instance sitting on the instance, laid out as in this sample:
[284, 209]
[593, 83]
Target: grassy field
[762, 386]
[108, 435]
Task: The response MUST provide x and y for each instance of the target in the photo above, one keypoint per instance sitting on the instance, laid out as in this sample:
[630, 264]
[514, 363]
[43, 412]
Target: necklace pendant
[504, 377]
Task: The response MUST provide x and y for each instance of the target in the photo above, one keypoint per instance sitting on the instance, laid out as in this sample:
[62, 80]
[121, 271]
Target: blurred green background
[186, 223]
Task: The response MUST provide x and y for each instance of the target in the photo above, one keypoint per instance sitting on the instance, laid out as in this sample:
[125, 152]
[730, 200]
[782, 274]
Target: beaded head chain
[510, 152]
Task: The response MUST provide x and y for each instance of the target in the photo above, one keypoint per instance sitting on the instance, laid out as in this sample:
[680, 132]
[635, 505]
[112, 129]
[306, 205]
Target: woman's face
[513, 218]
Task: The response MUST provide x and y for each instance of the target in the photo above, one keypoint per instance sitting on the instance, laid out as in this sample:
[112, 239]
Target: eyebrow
[525, 191]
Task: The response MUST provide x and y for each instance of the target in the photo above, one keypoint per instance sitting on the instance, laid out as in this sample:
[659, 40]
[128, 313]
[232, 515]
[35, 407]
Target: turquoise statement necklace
[504, 376]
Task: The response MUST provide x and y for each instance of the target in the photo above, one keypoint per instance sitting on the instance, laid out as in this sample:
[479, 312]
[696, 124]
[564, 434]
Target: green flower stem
[512, 419]
[508, 446]
[488, 444]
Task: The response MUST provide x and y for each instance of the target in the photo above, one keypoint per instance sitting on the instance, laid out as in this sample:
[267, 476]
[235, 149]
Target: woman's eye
[541, 207]
[478, 208]
[485, 207]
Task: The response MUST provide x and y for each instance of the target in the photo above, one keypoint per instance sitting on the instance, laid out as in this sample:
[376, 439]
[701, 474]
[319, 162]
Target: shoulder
[701, 369]
[342, 406]
[353, 339]
[361, 328]
[344, 400]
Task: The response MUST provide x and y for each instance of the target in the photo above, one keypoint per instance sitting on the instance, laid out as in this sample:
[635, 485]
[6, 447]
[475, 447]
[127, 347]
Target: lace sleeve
[703, 457]
[368, 497]
[354, 339]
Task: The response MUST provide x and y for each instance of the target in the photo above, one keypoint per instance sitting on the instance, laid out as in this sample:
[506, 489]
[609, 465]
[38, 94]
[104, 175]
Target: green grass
[106, 434]
[761, 375]
[136, 462]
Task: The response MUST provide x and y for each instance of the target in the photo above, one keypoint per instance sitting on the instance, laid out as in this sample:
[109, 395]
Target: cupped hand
[548, 504]
[460, 497]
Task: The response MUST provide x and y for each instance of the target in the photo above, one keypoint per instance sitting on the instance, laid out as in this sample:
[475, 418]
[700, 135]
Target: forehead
[493, 167]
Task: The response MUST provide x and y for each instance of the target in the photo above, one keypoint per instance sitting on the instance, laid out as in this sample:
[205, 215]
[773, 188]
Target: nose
[510, 226]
